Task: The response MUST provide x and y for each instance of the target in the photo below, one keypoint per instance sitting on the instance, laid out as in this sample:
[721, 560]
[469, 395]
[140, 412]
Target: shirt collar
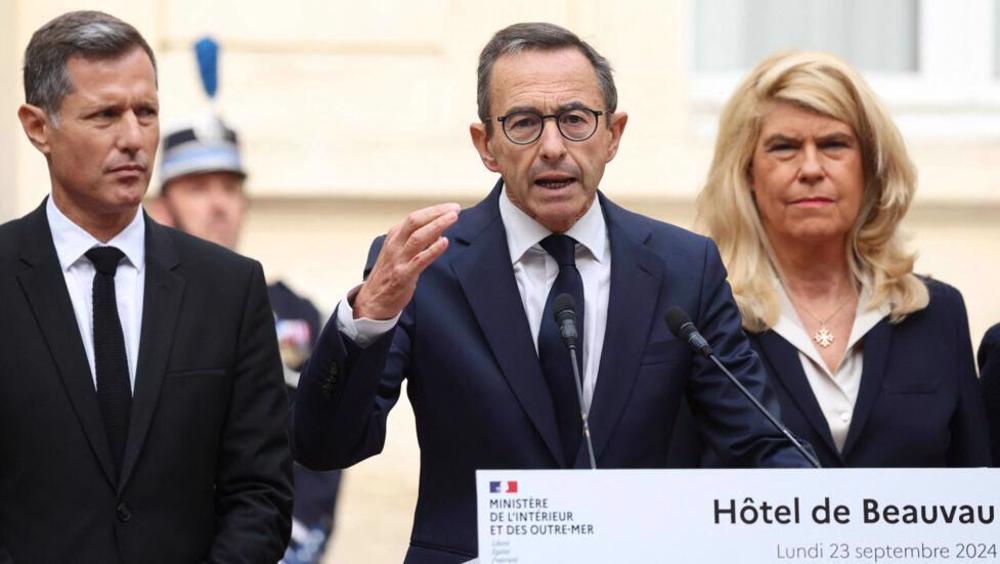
[72, 241]
[523, 232]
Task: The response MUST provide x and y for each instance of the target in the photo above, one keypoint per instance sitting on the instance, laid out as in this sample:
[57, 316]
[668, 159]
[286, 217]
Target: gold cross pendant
[823, 338]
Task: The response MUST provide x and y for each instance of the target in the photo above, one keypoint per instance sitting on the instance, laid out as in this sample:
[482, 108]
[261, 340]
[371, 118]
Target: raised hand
[409, 248]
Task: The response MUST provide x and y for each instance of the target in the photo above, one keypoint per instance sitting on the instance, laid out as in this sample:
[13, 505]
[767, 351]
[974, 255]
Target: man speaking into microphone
[460, 304]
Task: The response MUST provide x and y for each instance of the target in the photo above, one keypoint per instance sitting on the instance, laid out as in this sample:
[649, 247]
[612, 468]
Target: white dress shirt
[836, 392]
[71, 242]
[535, 272]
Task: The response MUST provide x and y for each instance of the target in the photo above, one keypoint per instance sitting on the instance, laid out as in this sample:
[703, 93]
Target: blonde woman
[872, 364]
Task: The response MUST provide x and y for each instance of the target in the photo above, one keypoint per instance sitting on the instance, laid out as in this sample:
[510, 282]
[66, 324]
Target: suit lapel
[44, 285]
[876, 360]
[484, 271]
[636, 273]
[161, 304]
[787, 367]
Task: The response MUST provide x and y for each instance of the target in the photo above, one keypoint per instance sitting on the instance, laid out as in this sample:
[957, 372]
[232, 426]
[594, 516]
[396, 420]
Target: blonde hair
[726, 210]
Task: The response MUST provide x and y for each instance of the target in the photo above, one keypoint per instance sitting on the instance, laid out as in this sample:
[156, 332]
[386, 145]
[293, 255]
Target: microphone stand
[770, 417]
[583, 412]
[681, 326]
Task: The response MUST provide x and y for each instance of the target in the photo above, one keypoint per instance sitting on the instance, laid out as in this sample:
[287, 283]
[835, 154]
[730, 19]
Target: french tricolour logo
[509, 487]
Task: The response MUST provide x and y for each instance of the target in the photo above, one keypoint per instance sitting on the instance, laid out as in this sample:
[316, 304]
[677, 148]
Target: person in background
[872, 364]
[202, 178]
[989, 374]
[142, 409]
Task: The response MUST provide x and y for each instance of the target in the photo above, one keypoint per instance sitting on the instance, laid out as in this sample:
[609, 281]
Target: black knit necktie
[114, 391]
[552, 352]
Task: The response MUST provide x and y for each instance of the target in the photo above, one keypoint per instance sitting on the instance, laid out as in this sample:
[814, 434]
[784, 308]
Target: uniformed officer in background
[202, 177]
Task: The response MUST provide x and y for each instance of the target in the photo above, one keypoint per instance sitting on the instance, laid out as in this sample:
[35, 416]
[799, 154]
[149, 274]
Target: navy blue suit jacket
[989, 366]
[919, 403]
[476, 386]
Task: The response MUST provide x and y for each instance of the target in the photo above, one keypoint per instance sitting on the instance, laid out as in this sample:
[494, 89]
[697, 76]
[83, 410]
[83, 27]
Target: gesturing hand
[409, 248]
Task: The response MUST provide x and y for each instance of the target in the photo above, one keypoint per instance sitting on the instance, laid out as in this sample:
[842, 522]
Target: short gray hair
[519, 37]
[88, 34]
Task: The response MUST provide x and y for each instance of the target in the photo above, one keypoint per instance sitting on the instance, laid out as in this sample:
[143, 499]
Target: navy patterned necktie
[552, 352]
[114, 390]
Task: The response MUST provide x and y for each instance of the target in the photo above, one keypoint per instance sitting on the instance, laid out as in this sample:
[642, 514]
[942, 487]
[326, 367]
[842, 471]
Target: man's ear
[481, 140]
[36, 125]
[618, 121]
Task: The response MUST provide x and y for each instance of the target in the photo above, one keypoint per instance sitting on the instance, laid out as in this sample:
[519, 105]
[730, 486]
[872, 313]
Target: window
[936, 64]
[996, 38]
[733, 35]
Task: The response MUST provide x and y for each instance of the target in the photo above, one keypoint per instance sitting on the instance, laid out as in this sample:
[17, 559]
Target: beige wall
[353, 113]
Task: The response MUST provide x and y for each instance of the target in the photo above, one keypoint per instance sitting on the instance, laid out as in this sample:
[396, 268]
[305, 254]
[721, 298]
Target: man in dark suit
[141, 396]
[989, 376]
[460, 304]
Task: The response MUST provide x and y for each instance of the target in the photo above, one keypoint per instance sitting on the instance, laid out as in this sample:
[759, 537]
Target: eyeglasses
[574, 124]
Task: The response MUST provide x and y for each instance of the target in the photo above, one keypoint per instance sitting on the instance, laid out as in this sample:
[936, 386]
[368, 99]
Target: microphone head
[564, 307]
[676, 319]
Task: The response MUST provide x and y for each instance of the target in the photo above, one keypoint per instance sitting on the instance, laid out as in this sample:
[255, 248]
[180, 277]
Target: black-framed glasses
[574, 124]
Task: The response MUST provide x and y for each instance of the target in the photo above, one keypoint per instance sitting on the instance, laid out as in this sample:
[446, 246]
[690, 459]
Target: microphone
[680, 325]
[564, 312]
[682, 328]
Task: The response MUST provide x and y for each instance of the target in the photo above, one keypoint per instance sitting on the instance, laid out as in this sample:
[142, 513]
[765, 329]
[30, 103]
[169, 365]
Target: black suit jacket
[989, 366]
[206, 470]
[477, 389]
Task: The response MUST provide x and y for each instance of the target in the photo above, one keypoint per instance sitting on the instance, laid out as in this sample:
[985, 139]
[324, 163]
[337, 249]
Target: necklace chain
[823, 337]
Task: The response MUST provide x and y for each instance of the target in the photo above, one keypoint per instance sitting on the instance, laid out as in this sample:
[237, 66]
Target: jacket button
[123, 512]
[330, 381]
